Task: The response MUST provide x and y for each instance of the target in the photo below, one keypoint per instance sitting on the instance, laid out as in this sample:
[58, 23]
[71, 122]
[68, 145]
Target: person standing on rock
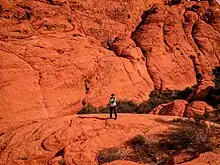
[112, 103]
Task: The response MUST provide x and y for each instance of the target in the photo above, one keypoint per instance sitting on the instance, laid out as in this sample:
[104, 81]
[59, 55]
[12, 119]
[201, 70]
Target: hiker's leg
[115, 111]
[111, 108]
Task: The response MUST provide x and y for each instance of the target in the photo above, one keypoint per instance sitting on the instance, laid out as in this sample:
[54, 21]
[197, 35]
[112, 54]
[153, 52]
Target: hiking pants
[113, 108]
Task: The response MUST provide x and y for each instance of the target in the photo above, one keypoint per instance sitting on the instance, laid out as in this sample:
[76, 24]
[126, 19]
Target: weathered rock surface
[53, 53]
[76, 139]
[182, 108]
[205, 159]
[175, 108]
[197, 107]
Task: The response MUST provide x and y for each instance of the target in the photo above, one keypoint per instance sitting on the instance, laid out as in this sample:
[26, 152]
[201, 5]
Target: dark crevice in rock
[144, 17]
[174, 2]
[71, 122]
[43, 145]
[145, 52]
[195, 65]
[98, 118]
[60, 153]
[86, 85]
[164, 38]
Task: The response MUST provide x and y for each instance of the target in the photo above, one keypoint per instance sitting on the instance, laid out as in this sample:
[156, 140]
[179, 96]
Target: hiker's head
[112, 94]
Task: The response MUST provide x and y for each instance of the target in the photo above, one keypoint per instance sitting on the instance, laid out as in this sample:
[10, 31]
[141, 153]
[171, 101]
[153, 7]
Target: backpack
[112, 100]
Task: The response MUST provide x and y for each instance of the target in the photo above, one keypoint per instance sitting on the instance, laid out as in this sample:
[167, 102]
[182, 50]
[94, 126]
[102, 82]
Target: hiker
[112, 103]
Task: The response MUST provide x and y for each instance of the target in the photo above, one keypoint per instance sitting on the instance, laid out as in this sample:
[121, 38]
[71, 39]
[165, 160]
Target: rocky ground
[56, 53]
[78, 139]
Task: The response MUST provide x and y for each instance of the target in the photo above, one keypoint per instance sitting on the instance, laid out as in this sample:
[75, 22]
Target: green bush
[89, 109]
[145, 107]
[109, 155]
[155, 98]
[126, 106]
[103, 110]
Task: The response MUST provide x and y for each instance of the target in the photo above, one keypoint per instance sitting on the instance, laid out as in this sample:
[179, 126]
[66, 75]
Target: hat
[112, 94]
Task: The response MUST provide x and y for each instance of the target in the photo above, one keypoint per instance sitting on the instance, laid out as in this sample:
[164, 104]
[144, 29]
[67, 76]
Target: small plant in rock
[103, 110]
[109, 155]
[138, 140]
[198, 118]
[177, 120]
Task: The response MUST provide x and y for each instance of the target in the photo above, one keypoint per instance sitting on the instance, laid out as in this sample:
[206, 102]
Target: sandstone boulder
[159, 108]
[197, 107]
[175, 108]
[205, 159]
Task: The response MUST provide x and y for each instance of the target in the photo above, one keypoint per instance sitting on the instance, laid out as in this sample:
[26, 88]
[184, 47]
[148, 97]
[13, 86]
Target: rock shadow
[94, 117]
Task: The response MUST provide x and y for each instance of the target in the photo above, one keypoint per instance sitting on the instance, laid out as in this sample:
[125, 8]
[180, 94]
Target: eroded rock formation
[55, 53]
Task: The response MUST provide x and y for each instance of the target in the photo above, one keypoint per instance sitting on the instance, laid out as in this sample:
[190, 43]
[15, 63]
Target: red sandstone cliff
[54, 52]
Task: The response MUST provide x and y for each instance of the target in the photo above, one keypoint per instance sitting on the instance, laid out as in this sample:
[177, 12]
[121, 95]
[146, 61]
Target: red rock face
[197, 107]
[182, 108]
[176, 108]
[53, 54]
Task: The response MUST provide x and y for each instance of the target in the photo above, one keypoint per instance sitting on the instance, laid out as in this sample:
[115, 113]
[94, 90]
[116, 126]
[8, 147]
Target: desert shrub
[206, 115]
[177, 120]
[157, 98]
[126, 106]
[212, 116]
[145, 151]
[198, 118]
[187, 135]
[185, 93]
[109, 155]
[138, 140]
[89, 109]
[191, 136]
[214, 93]
[103, 109]
[145, 107]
